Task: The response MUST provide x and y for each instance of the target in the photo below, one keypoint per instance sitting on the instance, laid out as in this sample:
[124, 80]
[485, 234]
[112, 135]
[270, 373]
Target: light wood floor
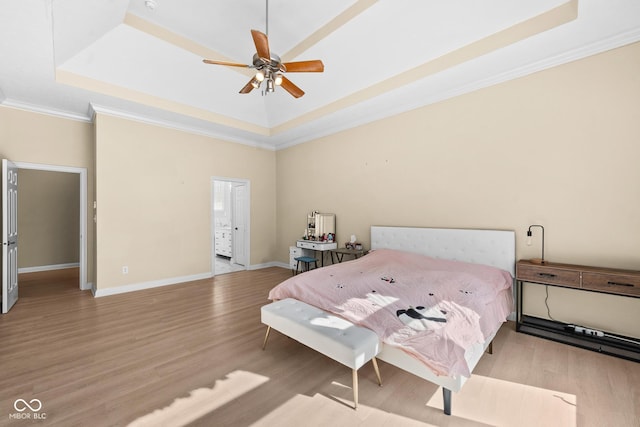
[191, 354]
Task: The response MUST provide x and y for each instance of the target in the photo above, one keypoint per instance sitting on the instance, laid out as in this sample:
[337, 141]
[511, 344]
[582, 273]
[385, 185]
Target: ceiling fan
[270, 68]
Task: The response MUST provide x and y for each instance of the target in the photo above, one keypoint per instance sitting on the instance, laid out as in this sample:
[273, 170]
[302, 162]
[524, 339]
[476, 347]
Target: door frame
[247, 235]
[83, 208]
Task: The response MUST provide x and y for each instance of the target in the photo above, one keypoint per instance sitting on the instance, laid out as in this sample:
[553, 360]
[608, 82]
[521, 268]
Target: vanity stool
[306, 262]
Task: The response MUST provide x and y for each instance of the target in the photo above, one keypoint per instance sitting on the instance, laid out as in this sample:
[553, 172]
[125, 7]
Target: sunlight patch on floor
[497, 402]
[184, 410]
[321, 409]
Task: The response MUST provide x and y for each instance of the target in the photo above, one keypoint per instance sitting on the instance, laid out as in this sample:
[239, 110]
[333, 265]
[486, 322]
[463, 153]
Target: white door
[9, 235]
[239, 212]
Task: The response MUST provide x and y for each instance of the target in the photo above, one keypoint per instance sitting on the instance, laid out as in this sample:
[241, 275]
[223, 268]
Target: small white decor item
[353, 238]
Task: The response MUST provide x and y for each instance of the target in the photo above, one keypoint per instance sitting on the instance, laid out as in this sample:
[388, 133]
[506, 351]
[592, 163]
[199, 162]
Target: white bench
[344, 342]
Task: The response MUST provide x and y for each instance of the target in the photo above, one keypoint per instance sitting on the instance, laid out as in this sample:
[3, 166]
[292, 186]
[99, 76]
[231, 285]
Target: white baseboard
[148, 285]
[48, 267]
[267, 265]
[171, 281]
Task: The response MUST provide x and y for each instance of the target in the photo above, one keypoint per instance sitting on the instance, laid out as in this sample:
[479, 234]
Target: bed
[439, 341]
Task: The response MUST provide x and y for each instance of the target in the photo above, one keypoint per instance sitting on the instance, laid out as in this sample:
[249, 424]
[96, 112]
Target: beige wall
[39, 138]
[153, 187]
[48, 218]
[558, 148]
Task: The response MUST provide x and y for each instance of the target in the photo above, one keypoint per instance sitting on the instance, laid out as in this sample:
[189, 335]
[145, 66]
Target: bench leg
[490, 348]
[375, 368]
[266, 336]
[355, 389]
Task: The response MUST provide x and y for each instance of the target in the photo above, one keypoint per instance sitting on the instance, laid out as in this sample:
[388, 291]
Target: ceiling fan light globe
[259, 76]
[278, 79]
[255, 83]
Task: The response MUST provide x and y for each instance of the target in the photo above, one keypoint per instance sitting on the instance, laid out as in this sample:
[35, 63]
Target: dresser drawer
[612, 283]
[316, 246]
[548, 275]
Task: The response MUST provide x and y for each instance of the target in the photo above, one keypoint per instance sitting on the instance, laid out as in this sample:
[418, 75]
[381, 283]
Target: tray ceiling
[76, 57]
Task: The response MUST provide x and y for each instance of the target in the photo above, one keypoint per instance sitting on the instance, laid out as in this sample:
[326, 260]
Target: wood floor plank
[191, 354]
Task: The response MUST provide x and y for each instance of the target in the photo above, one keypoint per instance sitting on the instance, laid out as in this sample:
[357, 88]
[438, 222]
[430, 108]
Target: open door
[9, 235]
[230, 214]
[239, 212]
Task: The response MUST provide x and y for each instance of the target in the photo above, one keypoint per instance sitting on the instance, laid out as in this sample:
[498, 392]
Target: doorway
[230, 234]
[82, 212]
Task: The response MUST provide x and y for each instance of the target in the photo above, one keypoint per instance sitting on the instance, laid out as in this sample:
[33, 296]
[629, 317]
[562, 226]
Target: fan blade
[291, 88]
[315, 66]
[230, 64]
[247, 88]
[262, 44]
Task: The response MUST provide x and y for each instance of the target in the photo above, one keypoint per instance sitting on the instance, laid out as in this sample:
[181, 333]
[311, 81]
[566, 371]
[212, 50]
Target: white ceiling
[381, 57]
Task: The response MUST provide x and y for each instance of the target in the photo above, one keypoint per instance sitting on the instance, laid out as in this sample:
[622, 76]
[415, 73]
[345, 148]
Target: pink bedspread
[433, 309]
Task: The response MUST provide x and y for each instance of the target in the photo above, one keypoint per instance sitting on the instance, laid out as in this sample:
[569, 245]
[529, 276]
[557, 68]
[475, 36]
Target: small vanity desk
[319, 226]
[313, 245]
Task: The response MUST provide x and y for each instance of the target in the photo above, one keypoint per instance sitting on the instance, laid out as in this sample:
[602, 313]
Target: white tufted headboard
[489, 247]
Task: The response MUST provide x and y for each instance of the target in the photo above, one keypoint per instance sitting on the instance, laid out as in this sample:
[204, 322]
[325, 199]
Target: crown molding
[101, 109]
[41, 109]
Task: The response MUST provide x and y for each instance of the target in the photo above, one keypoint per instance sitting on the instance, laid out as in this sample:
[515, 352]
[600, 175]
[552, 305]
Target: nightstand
[341, 252]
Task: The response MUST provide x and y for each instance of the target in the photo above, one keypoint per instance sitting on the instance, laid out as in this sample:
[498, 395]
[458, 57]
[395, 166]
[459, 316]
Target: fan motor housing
[274, 64]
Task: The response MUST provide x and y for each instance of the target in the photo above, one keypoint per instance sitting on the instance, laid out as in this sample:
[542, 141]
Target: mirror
[320, 225]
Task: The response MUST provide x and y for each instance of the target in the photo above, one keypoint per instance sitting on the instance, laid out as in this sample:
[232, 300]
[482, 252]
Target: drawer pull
[547, 275]
[629, 285]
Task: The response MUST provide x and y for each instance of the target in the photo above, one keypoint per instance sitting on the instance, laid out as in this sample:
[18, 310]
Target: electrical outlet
[125, 269]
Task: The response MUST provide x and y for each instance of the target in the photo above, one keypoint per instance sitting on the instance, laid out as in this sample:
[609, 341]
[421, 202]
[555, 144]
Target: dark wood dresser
[625, 283]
